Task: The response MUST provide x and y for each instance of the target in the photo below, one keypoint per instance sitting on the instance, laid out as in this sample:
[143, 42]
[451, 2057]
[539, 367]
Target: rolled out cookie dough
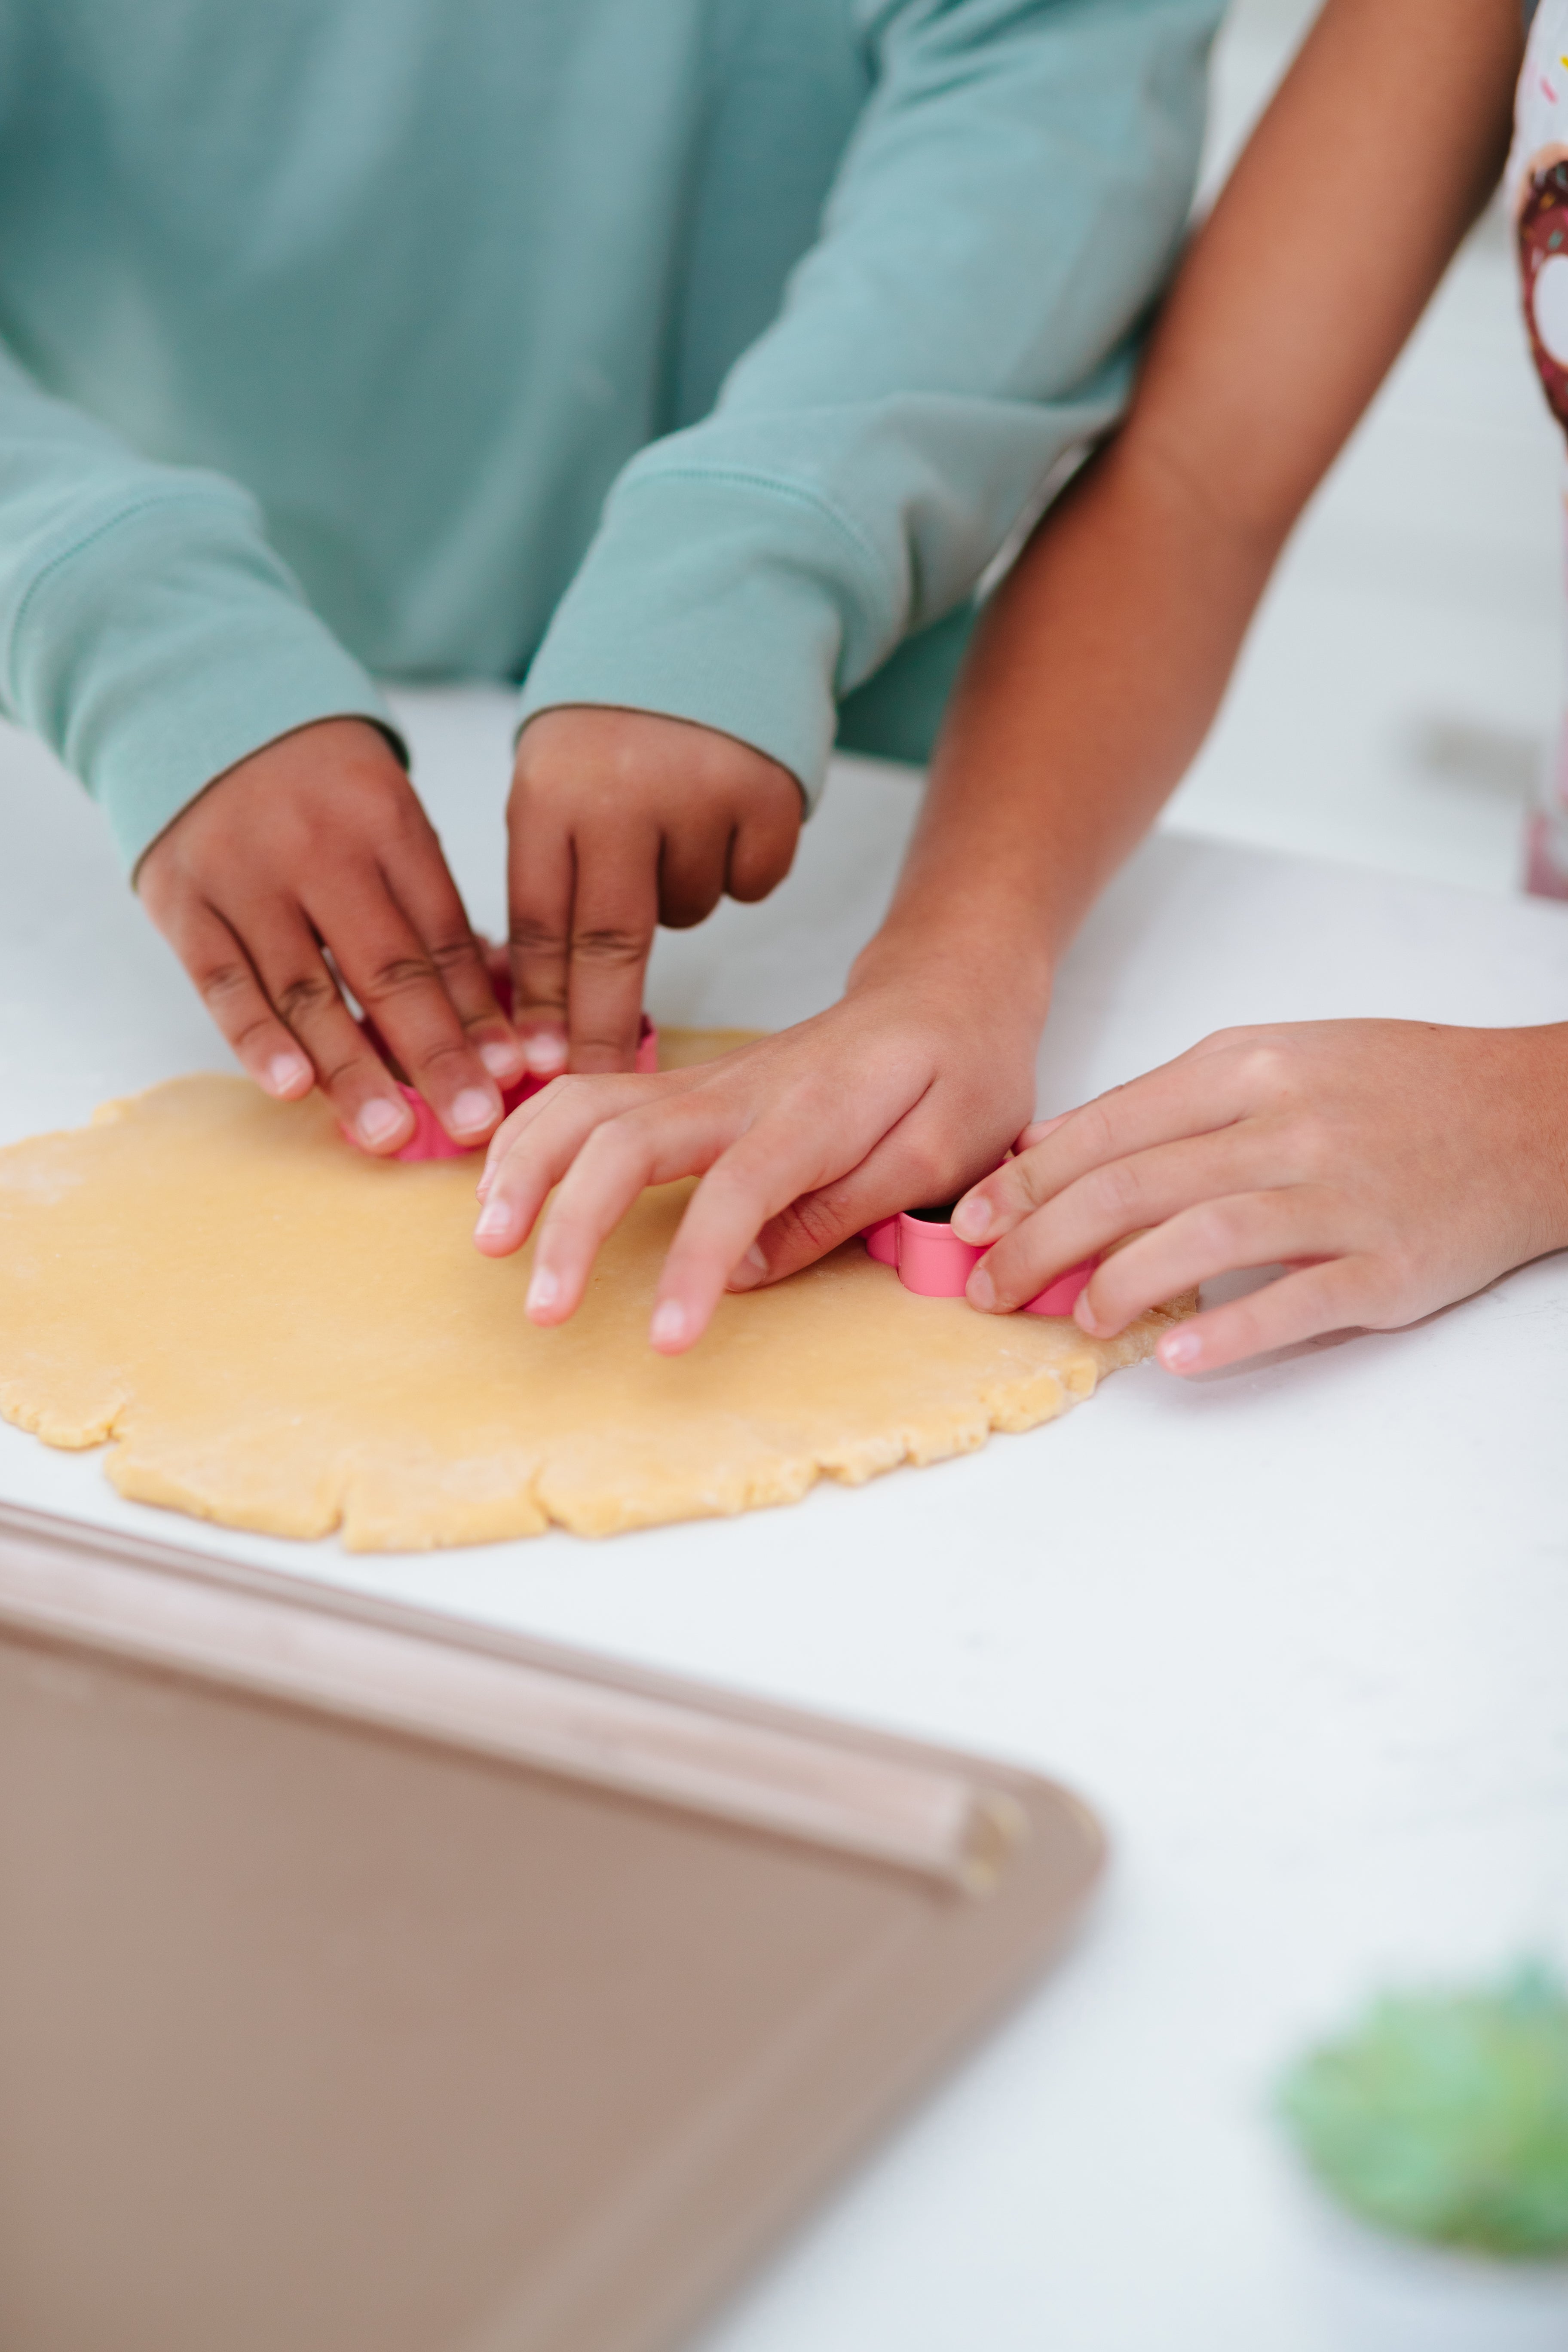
[277, 1333]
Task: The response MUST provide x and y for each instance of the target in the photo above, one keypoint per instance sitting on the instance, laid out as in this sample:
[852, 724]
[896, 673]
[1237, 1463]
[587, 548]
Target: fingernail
[287, 1072]
[752, 1269]
[493, 1218]
[473, 1110]
[545, 1053]
[972, 1217]
[1180, 1350]
[380, 1121]
[1084, 1315]
[668, 1327]
[981, 1291]
[501, 1060]
[544, 1289]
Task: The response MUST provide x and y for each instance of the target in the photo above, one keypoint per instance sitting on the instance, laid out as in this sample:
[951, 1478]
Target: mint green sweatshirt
[691, 356]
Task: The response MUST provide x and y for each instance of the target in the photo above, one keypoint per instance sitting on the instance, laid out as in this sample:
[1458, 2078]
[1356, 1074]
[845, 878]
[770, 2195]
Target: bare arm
[1103, 659]
[1391, 1167]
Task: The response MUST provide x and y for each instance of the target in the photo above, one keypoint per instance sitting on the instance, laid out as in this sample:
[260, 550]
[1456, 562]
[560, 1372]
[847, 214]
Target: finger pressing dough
[279, 1333]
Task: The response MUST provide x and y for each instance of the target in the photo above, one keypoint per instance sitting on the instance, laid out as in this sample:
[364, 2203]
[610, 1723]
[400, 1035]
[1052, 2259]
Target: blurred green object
[1444, 2115]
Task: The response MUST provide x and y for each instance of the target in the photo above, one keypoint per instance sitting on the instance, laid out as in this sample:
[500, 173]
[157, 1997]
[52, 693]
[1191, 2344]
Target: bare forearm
[1099, 666]
[1092, 682]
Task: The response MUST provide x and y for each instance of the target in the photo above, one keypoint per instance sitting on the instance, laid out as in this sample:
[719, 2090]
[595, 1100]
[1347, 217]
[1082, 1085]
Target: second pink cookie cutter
[930, 1260]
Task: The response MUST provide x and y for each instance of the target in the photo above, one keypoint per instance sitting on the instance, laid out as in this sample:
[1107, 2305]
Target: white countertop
[1297, 1631]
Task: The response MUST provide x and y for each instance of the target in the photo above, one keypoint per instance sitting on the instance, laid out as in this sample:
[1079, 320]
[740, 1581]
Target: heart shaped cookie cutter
[929, 1259]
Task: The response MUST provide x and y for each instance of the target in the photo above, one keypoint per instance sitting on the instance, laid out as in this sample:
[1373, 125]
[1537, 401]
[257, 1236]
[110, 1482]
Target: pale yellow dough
[280, 1334]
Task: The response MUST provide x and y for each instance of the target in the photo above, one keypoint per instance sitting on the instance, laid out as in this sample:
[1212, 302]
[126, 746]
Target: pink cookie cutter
[930, 1260]
[430, 1139]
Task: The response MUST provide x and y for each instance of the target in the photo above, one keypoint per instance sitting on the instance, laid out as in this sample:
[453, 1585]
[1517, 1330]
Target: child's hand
[619, 821]
[317, 841]
[890, 1099]
[1394, 1165]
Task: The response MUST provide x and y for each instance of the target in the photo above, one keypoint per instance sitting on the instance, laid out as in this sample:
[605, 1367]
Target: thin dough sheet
[272, 1331]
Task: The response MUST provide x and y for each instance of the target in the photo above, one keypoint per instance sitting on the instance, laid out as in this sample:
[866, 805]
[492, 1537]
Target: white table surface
[1298, 1631]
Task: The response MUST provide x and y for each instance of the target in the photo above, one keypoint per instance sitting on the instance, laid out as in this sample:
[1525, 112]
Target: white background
[1298, 1631]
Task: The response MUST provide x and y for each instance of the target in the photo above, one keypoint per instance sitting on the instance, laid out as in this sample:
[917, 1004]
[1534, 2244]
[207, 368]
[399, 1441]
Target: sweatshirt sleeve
[1010, 202]
[147, 631]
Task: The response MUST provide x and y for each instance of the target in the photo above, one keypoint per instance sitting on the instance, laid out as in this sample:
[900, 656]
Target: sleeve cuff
[170, 656]
[727, 601]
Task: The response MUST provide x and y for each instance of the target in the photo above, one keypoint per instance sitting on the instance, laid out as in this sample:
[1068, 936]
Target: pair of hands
[1390, 1166]
[314, 861]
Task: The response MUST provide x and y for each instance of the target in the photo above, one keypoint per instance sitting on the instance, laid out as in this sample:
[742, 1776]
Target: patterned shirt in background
[1536, 188]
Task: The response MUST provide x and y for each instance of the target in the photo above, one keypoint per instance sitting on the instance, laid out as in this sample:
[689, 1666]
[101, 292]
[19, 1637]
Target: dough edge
[399, 1503]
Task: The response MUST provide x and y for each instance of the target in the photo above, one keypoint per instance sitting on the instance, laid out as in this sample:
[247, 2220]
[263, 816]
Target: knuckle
[219, 984]
[756, 869]
[249, 1032]
[443, 1055]
[1267, 1068]
[612, 1145]
[571, 761]
[395, 975]
[683, 910]
[1116, 1193]
[364, 812]
[574, 1091]
[611, 1095]
[531, 935]
[545, 798]
[748, 889]
[612, 945]
[1095, 1131]
[810, 1223]
[304, 999]
[345, 1065]
[1018, 1265]
[378, 775]
[509, 1133]
[1021, 1186]
[1215, 1228]
[387, 819]
[458, 952]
